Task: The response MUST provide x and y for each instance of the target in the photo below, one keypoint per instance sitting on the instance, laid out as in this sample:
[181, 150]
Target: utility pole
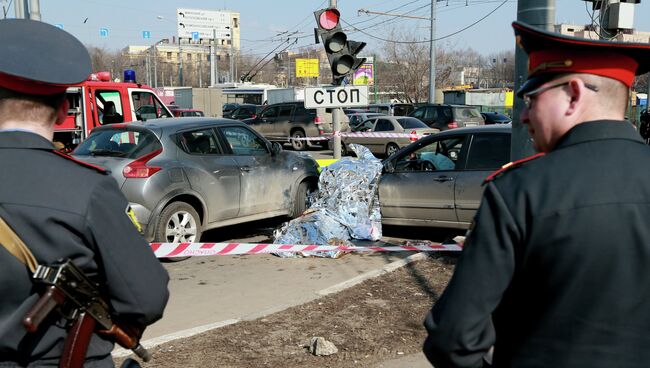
[432, 55]
[180, 64]
[541, 14]
[232, 53]
[213, 59]
[34, 10]
[19, 8]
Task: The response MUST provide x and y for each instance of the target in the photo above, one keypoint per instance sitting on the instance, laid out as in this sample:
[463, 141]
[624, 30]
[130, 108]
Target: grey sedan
[183, 176]
[436, 181]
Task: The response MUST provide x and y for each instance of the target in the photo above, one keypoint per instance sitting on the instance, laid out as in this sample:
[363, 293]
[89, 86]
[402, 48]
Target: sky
[265, 24]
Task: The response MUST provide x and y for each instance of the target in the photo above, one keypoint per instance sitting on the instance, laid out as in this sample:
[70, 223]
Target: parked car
[495, 118]
[436, 181]
[291, 122]
[228, 108]
[245, 111]
[386, 144]
[445, 117]
[180, 112]
[359, 117]
[185, 176]
[395, 109]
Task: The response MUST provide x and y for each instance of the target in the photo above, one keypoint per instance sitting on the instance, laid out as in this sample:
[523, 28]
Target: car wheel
[301, 200]
[297, 142]
[178, 223]
[391, 148]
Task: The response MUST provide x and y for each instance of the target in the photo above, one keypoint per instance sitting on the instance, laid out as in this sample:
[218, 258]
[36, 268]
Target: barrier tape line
[362, 135]
[165, 250]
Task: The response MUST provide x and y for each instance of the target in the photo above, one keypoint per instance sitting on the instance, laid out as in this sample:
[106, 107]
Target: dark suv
[445, 117]
[292, 122]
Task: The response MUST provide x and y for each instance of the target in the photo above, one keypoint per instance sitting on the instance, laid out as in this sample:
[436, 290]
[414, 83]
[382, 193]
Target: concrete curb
[151, 343]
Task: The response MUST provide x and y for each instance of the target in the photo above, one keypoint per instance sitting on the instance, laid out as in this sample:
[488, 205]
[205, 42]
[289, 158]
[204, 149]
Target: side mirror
[276, 148]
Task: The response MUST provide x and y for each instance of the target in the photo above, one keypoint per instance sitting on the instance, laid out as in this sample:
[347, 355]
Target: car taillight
[139, 169]
[318, 120]
[413, 136]
[452, 125]
[254, 116]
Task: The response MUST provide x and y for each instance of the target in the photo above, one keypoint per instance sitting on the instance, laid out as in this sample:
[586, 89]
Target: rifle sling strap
[12, 242]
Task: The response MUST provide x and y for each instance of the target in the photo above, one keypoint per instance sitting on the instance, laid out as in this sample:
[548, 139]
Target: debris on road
[321, 347]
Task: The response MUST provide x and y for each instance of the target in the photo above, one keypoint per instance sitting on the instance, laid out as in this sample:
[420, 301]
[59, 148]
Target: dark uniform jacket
[62, 209]
[556, 271]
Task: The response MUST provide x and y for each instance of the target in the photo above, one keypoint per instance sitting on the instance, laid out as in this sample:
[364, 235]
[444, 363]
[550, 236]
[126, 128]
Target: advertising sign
[204, 22]
[365, 74]
[306, 68]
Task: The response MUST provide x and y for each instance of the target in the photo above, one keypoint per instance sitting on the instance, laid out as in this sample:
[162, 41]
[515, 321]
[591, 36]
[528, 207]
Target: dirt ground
[375, 321]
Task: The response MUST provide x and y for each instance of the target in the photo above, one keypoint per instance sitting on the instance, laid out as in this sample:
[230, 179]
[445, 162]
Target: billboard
[197, 23]
[366, 73]
[307, 68]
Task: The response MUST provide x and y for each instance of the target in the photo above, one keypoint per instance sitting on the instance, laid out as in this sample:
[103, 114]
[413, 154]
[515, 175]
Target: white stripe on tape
[163, 250]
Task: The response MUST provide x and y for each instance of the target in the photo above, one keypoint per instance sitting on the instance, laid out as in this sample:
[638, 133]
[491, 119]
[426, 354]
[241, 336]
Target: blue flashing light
[129, 75]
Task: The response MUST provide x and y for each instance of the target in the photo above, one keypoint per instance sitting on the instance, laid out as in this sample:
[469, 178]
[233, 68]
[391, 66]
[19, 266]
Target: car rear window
[466, 112]
[118, 143]
[411, 123]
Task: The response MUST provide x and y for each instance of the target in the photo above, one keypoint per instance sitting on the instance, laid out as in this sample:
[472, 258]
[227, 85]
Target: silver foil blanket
[345, 207]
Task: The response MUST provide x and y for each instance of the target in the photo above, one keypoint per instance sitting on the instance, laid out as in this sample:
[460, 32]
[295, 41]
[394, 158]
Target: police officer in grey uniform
[60, 208]
[556, 270]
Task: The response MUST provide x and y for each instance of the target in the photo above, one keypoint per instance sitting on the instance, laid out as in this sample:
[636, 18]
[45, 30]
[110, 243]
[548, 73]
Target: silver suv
[186, 175]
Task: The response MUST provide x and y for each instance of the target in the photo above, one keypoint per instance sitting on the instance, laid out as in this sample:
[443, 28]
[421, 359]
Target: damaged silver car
[185, 176]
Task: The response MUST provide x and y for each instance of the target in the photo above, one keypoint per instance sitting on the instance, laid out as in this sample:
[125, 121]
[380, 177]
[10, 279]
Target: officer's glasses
[530, 96]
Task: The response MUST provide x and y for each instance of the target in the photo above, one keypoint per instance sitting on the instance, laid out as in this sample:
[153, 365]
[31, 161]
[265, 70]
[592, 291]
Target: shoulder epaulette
[78, 162]
[511, 165]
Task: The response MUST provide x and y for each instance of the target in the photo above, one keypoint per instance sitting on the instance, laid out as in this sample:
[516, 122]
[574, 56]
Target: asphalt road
[214, 289]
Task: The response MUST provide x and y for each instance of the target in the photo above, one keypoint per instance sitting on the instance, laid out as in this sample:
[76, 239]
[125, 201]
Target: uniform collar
[24, 139]
[599, 130]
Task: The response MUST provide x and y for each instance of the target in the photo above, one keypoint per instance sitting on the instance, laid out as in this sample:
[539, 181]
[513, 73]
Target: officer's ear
[575, 91]
[62, 112]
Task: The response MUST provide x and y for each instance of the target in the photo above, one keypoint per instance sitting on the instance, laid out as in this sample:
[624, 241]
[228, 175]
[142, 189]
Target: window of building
[169, 56]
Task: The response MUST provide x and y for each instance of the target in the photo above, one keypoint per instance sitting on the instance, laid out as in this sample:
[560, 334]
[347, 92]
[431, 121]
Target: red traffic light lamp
[328, 18]
[341, 53]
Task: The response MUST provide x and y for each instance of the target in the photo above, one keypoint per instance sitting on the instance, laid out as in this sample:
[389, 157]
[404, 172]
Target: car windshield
[118, 143]
[411, 123]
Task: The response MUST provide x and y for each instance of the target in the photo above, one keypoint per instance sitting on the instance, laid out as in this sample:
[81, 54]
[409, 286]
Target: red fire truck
[98, 101]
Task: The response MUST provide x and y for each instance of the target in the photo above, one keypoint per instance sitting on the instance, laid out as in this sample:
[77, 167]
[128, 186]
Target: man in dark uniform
[556, 270]
[60, 208]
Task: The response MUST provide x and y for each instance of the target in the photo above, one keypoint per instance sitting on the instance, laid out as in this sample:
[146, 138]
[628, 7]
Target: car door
[264, 176]
[487, 153]
[281, 125]
[359, 137]
[211, 173]
[377, 143]
[262, 124]
[412, 190]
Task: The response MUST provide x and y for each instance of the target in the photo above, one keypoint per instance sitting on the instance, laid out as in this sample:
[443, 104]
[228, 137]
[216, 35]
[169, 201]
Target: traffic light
[341, 52]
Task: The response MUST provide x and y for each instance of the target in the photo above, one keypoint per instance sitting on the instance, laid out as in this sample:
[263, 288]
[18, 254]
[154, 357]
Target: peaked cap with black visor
[551, 54]
[39, 59]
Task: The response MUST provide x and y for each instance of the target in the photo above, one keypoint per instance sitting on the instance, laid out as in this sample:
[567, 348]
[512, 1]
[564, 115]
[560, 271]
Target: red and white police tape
[164, 250]
[363, 135]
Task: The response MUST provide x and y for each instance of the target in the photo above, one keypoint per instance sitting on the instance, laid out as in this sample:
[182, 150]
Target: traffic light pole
[539, 13]
[336, 122]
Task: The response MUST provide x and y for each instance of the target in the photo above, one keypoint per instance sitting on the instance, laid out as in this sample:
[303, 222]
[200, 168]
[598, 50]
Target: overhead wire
[426, 41]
